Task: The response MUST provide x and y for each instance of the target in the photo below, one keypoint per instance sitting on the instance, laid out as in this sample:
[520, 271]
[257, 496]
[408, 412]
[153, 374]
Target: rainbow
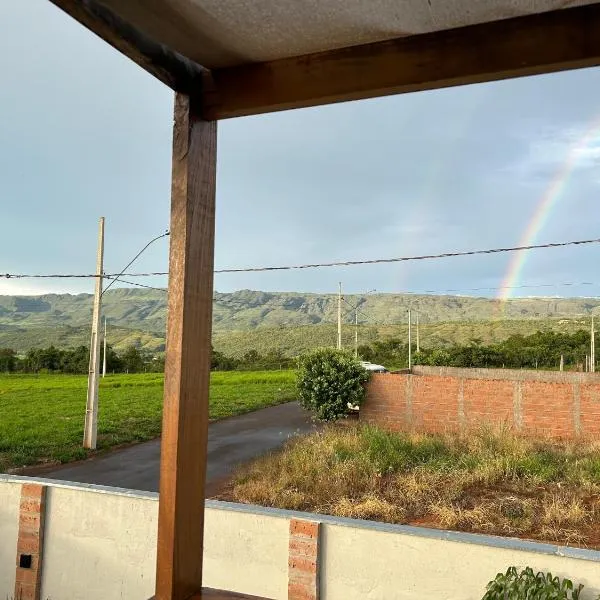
[548, 201]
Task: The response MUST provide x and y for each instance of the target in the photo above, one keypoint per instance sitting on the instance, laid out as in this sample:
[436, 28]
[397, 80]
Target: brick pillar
[30, 542]
[303, 562]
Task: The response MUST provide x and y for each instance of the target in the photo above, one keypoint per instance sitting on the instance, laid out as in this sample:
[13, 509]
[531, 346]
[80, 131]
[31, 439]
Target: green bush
[329, 380]
[527, 585]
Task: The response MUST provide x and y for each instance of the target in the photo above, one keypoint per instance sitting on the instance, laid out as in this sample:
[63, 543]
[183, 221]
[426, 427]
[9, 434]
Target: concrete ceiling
[219, 33]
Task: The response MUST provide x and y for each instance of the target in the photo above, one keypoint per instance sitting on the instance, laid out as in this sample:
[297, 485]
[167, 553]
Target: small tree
[328, 381]
[132, 360]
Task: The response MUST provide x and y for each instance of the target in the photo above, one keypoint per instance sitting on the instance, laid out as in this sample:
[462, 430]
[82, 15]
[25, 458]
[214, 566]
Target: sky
[86, 133]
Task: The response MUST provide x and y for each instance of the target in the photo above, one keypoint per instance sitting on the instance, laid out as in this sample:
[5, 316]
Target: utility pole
[104, 355]
[593, 348]
[418, 338]
[409, 339]
[356, 332]
[562, 362]
[91, 410]
[339, 332]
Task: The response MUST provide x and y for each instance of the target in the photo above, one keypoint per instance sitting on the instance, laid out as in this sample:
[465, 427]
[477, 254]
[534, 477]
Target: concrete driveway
[231, 442]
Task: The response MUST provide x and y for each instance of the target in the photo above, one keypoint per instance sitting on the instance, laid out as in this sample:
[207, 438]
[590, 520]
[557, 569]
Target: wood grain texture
[173, 69]
[542, 43]
[187, 365]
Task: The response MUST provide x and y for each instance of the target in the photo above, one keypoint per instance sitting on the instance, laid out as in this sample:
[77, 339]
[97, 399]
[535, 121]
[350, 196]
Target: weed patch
[488, 482]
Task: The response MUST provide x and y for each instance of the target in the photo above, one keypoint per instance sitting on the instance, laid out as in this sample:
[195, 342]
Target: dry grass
[489, 482]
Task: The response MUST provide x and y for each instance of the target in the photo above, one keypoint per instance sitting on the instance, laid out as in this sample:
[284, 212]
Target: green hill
[289, 321]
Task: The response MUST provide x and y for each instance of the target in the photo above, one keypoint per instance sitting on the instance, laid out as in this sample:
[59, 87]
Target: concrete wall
[100, 543]
[10, 495]
[433, 399]
[374, 563]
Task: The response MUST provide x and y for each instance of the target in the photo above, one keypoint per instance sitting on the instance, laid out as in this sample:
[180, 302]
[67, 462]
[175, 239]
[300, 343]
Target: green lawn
[41, 417]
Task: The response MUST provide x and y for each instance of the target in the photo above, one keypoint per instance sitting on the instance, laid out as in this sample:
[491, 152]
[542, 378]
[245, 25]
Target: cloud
[574, 148]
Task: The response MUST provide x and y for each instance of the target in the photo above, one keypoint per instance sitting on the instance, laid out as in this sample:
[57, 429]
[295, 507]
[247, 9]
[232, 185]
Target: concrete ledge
[73, 485]
[424, 532]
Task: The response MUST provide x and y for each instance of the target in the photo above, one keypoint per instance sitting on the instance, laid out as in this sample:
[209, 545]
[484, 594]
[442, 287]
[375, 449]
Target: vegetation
[76, 360]
[542, 349]
[528, 585]
[328, 381]
[489, 482]
[41, 417]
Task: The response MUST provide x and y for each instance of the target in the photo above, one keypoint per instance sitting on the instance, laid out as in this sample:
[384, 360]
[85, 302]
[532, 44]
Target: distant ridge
[138, 316]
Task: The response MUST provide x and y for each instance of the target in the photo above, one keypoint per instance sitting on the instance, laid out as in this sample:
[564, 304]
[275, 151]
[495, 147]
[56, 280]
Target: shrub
[329, 380]
[527, 585]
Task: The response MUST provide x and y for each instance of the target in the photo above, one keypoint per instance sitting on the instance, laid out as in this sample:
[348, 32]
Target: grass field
[490, 482]
[41, 417]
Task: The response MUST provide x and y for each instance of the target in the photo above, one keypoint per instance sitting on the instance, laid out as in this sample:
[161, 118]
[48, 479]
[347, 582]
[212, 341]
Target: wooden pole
[187, 361]
[91, 409]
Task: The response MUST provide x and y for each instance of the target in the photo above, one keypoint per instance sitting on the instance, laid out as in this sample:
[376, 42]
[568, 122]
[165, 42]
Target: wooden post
[187, 364]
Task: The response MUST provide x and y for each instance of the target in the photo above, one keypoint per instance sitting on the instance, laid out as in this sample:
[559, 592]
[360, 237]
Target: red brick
[29, 521]
[303, 547]
[24, 591]
[299, 591]
[302, 564]
[30, 505]
[28, 543]
[32, 490]
[27, 581]
[308, 529]
[28, 576]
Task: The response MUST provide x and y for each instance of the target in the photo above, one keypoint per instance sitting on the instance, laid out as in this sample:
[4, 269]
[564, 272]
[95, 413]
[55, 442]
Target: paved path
[231, 442]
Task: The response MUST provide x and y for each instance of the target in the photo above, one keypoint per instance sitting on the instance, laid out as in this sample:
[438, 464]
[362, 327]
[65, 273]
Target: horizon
[306, 293]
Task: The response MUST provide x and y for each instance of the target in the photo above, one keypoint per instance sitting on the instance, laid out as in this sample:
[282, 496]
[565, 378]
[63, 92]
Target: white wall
[98, 545]
[246, 552]
[101, 543]
[375, 565]
[10, 498]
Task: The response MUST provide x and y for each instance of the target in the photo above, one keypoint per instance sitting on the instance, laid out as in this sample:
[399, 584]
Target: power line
[142, 285]
[115, 279]
[319, 265]
[411, 258]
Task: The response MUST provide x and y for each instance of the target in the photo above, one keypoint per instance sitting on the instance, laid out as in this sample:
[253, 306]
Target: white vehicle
[369, 367]
[372, 367]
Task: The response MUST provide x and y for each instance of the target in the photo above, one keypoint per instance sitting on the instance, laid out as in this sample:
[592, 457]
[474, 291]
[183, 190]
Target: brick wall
[443, 398]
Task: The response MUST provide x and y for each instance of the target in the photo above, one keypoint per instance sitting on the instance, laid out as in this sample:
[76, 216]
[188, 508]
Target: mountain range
[253, 319]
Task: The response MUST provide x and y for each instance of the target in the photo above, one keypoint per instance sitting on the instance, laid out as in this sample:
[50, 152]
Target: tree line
[130, 360]
[540, 350]
[76, 360]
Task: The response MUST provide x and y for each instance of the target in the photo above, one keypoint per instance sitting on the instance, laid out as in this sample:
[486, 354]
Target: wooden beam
[170, 67]
[187, 364]
[542, 43]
